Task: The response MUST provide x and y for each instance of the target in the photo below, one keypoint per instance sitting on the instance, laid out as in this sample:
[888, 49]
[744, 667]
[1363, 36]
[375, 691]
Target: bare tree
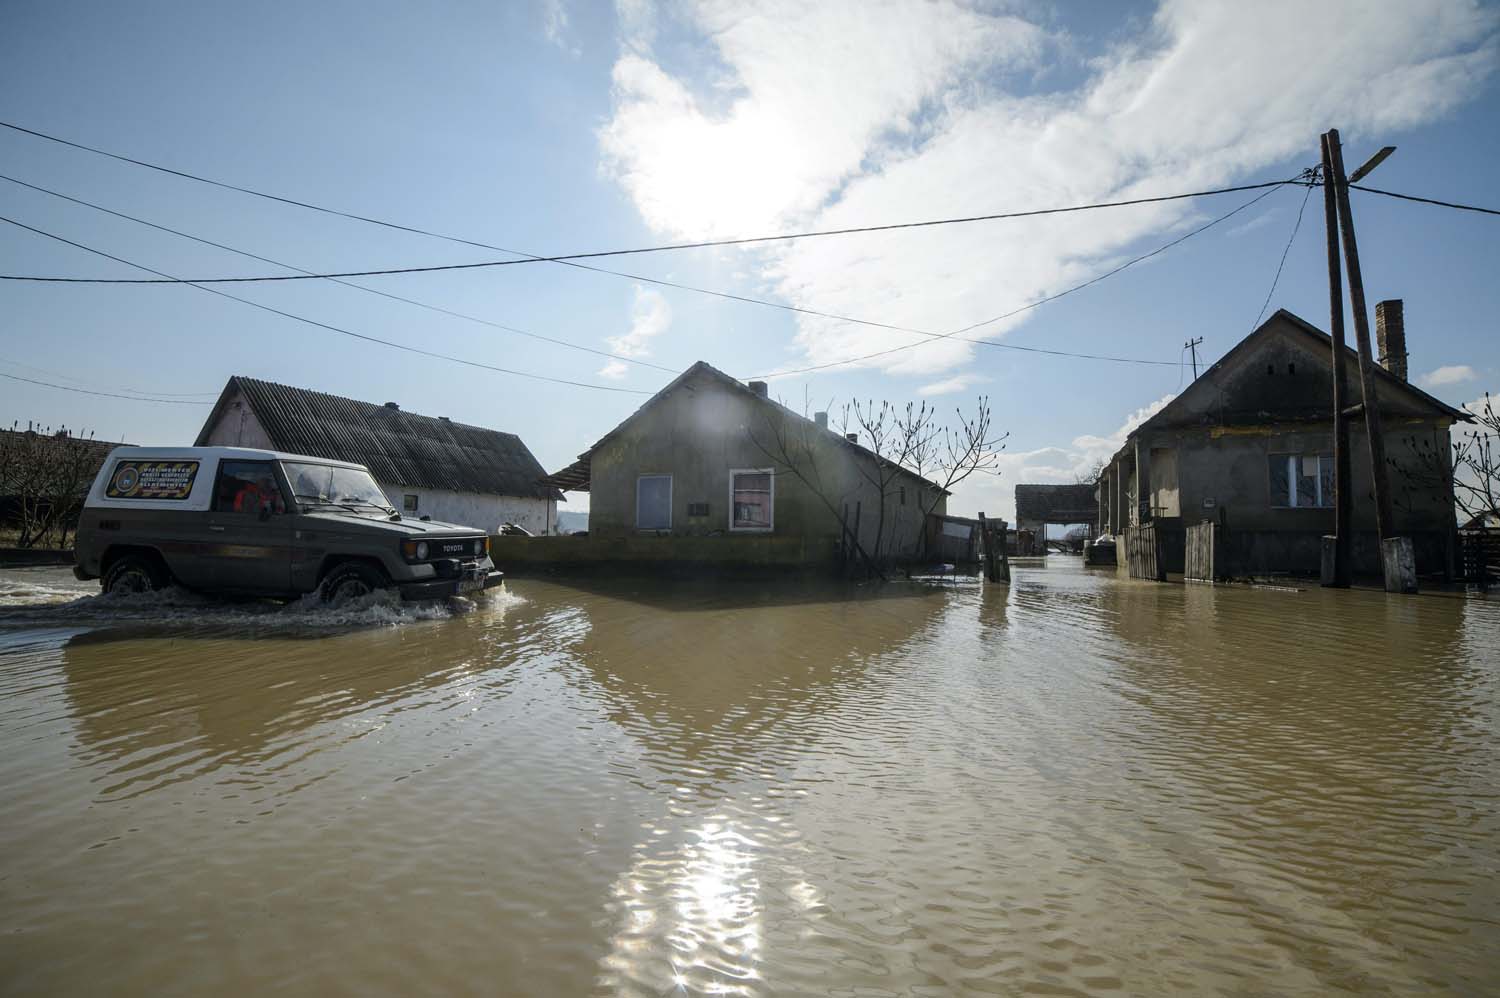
[44, 479]
[1092, 474]
[1471, 470]
[902, 441]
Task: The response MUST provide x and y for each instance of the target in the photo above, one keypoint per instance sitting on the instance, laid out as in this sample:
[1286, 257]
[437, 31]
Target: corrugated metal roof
[399, 448]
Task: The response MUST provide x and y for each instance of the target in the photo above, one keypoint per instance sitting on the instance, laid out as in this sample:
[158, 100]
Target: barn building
[426, 465]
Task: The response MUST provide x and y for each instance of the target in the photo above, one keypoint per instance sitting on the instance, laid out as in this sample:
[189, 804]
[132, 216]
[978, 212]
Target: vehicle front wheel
[350, 581]
[135, 573]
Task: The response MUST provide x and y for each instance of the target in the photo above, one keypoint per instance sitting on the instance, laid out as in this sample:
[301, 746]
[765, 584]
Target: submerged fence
[1144, 555]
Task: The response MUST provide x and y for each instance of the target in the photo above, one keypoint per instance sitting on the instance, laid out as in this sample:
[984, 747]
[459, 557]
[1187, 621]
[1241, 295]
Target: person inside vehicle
[256, 496]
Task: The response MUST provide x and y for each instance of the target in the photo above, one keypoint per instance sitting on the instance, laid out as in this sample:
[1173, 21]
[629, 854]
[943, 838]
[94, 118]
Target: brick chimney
[821, 418]
[760, 388]
[1390, 336]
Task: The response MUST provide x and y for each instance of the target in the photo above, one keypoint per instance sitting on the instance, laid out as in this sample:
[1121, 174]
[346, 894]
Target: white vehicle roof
[199, 494]
[223, 454]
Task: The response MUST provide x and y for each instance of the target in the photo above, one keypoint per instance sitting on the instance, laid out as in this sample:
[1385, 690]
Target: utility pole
[1403, 581]
[1192, 345]
[1337, 574]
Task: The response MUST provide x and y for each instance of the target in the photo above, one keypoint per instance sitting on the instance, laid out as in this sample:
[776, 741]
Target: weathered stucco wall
[701, 431]
[474, 510]
[1213, 446]
[237, 426]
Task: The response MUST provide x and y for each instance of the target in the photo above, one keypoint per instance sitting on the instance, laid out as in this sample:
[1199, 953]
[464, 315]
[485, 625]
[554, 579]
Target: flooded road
[1073, 785]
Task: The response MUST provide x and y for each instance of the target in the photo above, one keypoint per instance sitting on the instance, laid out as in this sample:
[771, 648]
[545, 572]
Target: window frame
[1285, 501]
[279, 507]
[410, 503]
[670, 487]
[770, 474]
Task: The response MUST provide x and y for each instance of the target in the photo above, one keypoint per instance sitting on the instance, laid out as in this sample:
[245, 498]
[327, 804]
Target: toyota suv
[264, 523]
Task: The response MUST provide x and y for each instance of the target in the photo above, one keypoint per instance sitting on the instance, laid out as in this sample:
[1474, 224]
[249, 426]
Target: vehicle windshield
[328, 484]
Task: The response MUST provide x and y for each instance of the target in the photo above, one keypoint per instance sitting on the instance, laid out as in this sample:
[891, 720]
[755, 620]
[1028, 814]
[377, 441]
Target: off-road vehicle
[264, 523]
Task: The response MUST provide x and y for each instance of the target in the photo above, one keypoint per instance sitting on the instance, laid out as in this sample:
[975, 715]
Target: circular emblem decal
[126, 480]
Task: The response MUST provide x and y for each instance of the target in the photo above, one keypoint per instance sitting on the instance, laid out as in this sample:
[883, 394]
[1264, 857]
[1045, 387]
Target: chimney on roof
[821, 418]
[760, 388]
[1390, 336]
[445, 419]
[392, 405]
[853, 438]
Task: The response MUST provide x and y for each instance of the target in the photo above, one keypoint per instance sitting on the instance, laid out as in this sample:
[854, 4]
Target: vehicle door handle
[216, 528]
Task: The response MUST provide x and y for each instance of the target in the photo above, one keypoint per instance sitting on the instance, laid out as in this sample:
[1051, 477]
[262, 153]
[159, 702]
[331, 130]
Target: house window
[1301, 480]
[653, 502]
[751, 499]
[409, 503]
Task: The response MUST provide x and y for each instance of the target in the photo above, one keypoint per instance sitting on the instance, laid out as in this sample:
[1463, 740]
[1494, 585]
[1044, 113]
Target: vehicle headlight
[421, 550]
[479, 547]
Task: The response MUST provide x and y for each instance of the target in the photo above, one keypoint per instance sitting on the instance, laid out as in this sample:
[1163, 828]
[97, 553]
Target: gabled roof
[399, 448]
[576, 476]
[1057, 503]
[1181, 406]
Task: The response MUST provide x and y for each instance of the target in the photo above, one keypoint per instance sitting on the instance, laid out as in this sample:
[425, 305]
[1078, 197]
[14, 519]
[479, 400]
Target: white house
[427, 465]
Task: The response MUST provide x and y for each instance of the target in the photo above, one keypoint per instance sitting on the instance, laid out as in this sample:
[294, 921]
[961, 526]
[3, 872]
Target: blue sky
[569, 126]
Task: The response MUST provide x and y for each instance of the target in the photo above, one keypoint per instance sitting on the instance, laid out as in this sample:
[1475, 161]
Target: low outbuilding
[426, 465]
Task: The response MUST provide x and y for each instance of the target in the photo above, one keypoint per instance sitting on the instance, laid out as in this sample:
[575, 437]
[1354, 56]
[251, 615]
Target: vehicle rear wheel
[350, 581]
[135, 573]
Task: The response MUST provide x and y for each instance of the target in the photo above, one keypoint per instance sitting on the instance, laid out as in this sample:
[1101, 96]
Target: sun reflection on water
[703, 900]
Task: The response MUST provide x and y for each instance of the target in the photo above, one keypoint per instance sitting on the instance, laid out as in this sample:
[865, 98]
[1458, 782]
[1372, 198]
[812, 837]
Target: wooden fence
[1204, 559]
[1143, 554]
[1480, 551]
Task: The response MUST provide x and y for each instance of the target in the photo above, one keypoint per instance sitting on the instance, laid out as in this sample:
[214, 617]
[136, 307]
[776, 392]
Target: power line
[1413, 197]
[347, 284]
[1041, 301]
[747, 299]
[79, 381]
[332, 328]
[603, 353]
[566, 257]
[1291, 239]
[704, 244]
[85, 391]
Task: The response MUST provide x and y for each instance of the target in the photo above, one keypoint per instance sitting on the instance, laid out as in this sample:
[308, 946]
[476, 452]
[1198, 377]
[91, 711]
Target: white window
[653, 502]
[1301, 480]
[752, 498]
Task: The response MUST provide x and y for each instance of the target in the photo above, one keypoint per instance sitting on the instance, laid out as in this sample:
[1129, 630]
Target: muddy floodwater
[1073, 785]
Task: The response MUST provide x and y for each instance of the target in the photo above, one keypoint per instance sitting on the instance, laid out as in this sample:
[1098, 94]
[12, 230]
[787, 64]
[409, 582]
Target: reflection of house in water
[723, 680]
[1250, 445]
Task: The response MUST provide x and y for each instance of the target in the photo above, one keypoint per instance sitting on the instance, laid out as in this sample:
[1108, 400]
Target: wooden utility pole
[1342, 484]
[1192, 346]
[1400, 572]
[1383, 518]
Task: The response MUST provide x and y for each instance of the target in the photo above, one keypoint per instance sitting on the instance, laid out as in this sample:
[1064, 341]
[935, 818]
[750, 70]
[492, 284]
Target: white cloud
[955, 384]
[650, 316]
[838, 114]
[1045, 465]
[1453, 374]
